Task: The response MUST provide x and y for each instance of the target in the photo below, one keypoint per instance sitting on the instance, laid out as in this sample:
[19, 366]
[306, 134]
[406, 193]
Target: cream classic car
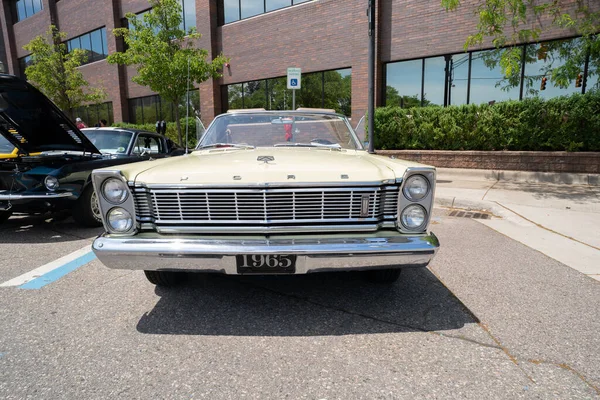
[268, 192]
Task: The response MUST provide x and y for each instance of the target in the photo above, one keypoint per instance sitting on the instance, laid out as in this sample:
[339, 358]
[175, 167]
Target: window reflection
[459, 78]
[433, 89]
[487, 80]
[276, 4]
[540, 59]
[93, 42]
[27, 8]
[234, 10]
[251, 8]
[231, 9]
[404, 83]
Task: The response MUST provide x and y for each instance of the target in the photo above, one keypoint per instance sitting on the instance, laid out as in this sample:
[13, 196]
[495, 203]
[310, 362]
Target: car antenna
[187, 107]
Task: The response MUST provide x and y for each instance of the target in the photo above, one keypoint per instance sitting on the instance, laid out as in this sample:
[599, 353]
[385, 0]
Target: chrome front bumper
[6, 195]
[314, 254]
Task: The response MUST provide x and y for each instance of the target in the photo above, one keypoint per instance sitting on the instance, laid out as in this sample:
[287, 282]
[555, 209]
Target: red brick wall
[552, 161]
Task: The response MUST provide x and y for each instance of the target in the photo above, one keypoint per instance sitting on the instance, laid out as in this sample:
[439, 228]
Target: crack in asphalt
[569, 368]
[512, 357]
[370, 317]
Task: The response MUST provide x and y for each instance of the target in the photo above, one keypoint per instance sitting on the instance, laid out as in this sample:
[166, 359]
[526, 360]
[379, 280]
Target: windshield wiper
[334, 146]
[237, 146]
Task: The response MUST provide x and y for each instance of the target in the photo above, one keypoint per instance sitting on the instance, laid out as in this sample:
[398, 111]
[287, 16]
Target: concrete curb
[564, 178]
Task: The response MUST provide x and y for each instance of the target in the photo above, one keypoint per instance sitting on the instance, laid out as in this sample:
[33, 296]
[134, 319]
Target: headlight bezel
[426, 202]
[124, 188]
[99, 177]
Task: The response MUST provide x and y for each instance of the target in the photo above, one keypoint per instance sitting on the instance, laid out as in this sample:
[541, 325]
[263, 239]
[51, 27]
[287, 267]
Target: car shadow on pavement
[305, 305]
[44, 228]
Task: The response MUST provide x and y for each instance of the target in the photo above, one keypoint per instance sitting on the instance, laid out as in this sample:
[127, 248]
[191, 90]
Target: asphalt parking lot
[490, 318]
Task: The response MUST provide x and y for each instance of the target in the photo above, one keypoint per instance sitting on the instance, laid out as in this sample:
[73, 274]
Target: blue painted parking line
[59, 272]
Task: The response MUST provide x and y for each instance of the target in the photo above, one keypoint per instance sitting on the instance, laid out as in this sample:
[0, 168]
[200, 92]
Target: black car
[51, 166]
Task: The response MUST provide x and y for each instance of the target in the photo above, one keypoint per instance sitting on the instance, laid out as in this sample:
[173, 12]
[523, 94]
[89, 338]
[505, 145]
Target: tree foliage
[163, 53]
[508, 23]
[53, 70]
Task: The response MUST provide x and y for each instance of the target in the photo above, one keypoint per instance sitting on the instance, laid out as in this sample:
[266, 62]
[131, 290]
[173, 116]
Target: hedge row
[171, 129]
[568, 123]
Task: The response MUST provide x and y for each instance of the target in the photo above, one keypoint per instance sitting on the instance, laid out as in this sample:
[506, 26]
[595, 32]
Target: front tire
[387, 276]
[164, 278]
[5, 215]
[87, 210]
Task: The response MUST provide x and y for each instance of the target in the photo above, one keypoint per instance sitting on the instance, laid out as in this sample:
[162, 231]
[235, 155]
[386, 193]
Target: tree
[53, 70]
[163, 53]
[508, 23]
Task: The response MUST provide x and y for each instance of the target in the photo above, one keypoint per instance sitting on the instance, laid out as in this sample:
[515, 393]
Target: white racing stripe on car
[47, 268]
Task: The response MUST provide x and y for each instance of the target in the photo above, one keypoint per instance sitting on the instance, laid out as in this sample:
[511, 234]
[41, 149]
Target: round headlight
[413, 217]
[51, 183]
[119, 220]
[114, 190]
[416, 187]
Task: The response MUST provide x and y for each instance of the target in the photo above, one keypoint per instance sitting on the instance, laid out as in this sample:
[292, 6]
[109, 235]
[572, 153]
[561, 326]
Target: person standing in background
[79, 123]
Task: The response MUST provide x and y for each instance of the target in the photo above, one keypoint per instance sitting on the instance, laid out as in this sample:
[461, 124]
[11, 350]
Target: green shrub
[171, 129]
[567, 123]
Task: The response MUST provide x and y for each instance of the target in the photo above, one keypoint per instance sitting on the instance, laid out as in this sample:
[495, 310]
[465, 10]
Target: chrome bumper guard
[313, 254]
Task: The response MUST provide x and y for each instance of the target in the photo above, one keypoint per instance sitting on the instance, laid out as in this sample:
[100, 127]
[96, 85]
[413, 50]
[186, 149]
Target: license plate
[266, 264]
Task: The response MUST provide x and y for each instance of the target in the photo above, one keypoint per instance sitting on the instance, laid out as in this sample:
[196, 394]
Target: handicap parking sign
[294, 76]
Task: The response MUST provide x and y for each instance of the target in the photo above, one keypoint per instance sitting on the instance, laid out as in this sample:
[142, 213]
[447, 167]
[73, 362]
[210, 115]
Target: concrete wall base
[533, 161]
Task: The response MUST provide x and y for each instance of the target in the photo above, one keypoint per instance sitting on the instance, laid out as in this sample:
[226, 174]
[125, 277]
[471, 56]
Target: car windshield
[280, 129]
[109, 141]
[6, 147]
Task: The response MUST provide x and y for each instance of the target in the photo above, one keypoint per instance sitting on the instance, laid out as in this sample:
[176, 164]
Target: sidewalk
[560, 220]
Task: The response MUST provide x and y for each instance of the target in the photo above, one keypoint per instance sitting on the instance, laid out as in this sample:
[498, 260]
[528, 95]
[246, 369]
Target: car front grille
[197, 209]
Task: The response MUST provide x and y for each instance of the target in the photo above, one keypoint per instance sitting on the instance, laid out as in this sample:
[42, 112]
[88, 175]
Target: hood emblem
[183, 178]
[265, 159]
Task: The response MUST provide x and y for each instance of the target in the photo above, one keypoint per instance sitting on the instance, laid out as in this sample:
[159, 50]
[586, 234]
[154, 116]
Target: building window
[26, 8]
[488, 84]
[24, 62]
[189, 14]
[541, 58]
[404, 81]
[476, 77]
[93, 114]
[149, 109]
[325, 89]
[93, 42]
[188, 17]
[235, 10]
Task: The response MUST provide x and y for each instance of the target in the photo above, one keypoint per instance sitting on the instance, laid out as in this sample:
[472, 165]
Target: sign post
[294, 76]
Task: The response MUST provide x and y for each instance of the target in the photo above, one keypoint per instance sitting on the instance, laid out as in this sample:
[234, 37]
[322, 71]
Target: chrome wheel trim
[95, 206]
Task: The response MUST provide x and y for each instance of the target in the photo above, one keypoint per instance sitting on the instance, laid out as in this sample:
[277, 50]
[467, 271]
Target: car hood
[261, 166]
[32, 123]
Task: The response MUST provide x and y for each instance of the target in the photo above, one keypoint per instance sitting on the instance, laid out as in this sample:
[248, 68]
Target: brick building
[420, 57]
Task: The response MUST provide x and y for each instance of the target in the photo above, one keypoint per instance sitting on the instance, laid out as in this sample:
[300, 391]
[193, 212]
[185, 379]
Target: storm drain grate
[469, 214]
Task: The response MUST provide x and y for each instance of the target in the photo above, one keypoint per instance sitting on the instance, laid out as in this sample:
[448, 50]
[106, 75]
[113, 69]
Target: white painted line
[44, 269]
